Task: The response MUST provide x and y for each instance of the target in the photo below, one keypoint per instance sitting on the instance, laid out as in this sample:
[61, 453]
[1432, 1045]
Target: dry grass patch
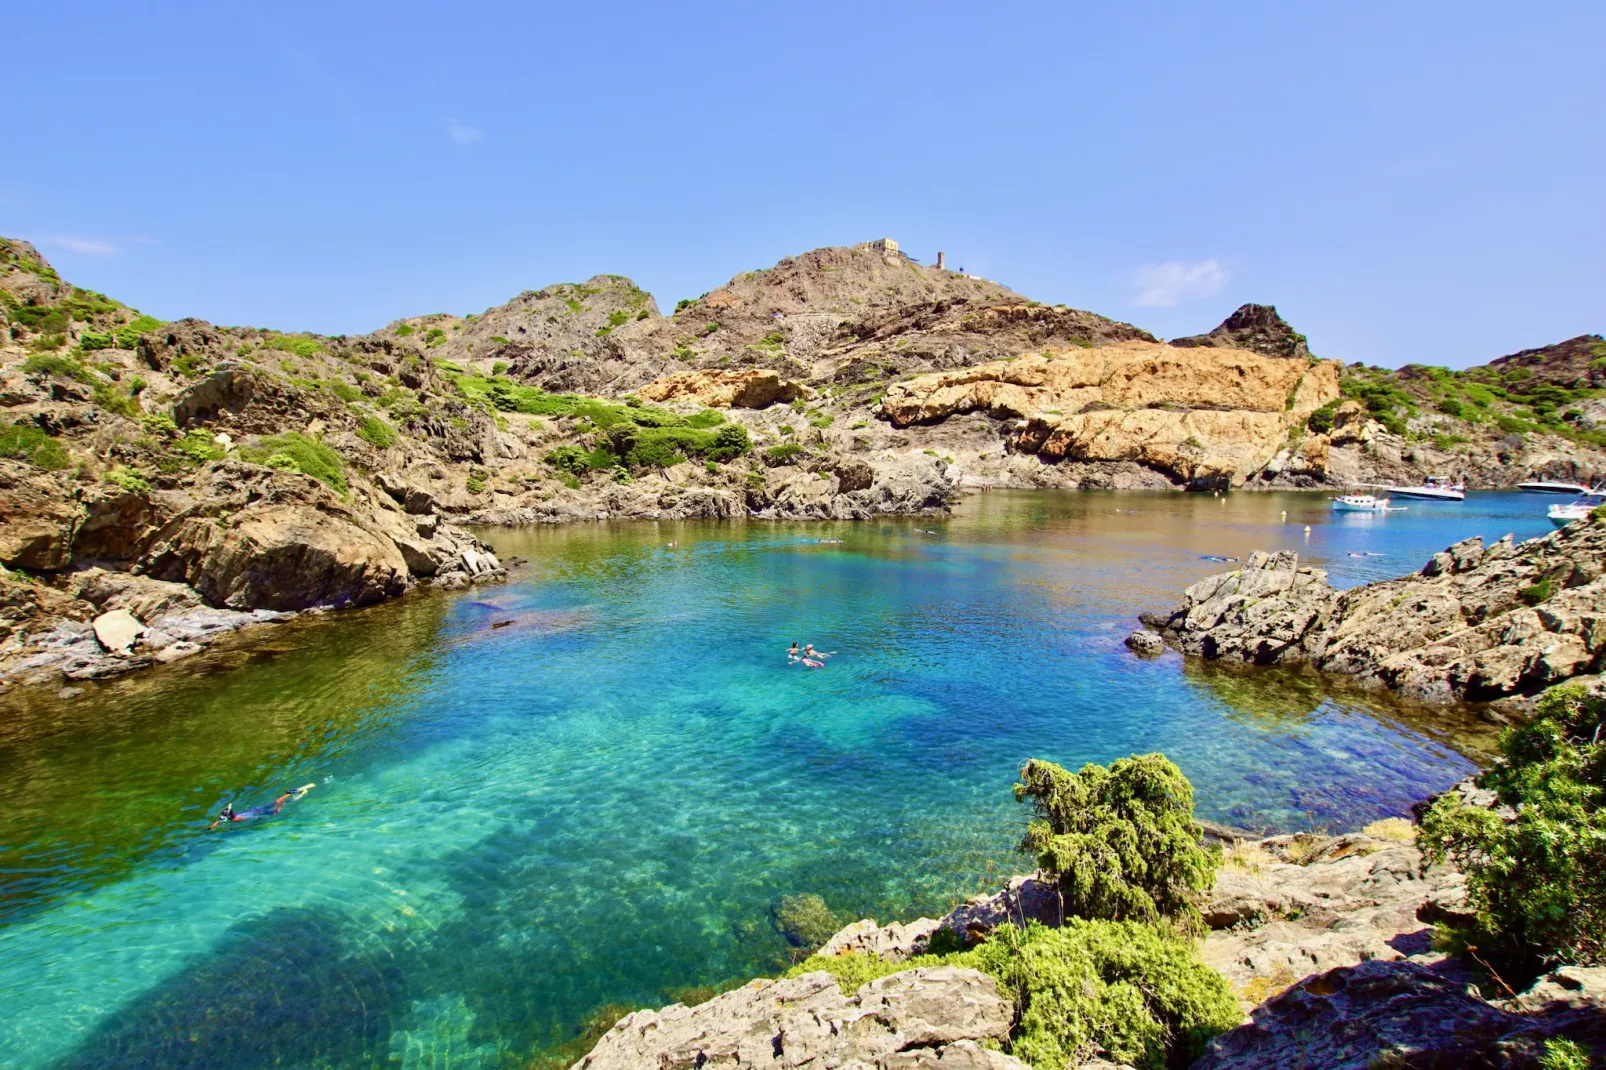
[1248, 857]
[1392, 828]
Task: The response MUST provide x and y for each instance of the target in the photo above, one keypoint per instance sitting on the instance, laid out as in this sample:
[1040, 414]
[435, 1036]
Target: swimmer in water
[230, 814]
[811, 663]
[810, 652]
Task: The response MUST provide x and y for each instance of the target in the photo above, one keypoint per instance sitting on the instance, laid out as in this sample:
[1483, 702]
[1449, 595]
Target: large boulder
[280, 555]
[721, 389]
[936, 1017]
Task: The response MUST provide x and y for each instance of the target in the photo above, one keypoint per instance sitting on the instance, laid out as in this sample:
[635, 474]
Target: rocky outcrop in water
[1477, 622]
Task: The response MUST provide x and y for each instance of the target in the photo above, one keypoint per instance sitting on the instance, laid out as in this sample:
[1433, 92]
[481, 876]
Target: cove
[602, 801]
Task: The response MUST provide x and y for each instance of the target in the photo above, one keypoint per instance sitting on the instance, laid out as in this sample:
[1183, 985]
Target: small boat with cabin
[1360, 503]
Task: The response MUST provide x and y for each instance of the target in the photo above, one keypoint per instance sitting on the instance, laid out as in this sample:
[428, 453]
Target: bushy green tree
[1536, 877]
[1120, 842]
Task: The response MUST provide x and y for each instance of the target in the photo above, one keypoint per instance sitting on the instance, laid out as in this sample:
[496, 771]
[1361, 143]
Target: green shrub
[706, 418]
[159, 423]
[405, 329]
[785, 452]
[129, 480]
[201, 447]
[684, 303]
[1121, 841]
[713, 325]
[434, 337]
[570, 459]
[498, 367]
[1539, 592]
[304, 454]
[112, 399]
[188, 364]
[58, 365]
[342, 390]
[1563, 1054]
[1136, 992]
[376, 432]
[476, 481]
[1537, 882]
[305, 348]
[618, 318]
[1449, 406]
[24, 442]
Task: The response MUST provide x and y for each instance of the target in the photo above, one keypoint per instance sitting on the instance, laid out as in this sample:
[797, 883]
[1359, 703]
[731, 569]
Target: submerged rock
[1146, 644]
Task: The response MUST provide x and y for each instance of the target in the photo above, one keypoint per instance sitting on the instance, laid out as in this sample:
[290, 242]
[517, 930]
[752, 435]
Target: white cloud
[1164, 285]
[464, 134]
[87, 246]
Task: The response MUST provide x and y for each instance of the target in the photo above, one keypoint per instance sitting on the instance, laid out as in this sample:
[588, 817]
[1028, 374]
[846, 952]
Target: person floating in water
[793, 653]
[810, 652]
[230, 814]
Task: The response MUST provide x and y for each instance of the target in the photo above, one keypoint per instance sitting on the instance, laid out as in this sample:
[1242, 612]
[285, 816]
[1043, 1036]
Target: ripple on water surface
[602, 801]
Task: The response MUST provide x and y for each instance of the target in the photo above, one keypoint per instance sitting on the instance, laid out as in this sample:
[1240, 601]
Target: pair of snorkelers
[811, 658]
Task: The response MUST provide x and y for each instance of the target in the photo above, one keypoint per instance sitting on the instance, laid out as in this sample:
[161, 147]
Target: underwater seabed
[604, 801]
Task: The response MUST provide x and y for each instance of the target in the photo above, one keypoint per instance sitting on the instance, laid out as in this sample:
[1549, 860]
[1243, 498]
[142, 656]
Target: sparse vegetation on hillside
[24, 442]
[303, 453]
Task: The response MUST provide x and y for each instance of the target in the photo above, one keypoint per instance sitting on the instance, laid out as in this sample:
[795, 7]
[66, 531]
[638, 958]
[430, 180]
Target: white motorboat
[1588, 502]
[1435, 488]
[1360, 503]
[1550, 486]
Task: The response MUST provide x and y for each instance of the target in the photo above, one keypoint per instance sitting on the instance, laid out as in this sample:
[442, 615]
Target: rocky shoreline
[1327, 942]
[1497, 623]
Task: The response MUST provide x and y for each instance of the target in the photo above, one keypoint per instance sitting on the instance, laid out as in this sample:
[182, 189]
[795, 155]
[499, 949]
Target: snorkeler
[810, 652]
[229, 813]
[793, 653]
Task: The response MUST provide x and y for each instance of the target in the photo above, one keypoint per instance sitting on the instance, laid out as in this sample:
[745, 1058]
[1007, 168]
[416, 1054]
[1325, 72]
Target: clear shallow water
[602, 802]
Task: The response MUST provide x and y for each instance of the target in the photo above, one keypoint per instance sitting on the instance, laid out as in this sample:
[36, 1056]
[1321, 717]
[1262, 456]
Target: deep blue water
[604, 800]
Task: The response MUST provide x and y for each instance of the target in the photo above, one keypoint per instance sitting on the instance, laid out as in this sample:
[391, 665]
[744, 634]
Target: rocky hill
[266, 471]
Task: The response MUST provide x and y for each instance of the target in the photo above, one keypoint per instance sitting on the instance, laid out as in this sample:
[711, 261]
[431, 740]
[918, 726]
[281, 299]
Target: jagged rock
[723, 389]
[1570, 988]
[908, 1019]
[1377, 1014]
[1146, 644]
[118, 631]
[1257, 328]
[895, 942]
[1461, 628]
[186, 337]
[142, 596]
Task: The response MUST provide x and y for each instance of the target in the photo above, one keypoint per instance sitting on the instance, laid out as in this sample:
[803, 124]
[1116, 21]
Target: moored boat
[1551, 486]
[1434, 488]
[1562, 515]
[1360, 503]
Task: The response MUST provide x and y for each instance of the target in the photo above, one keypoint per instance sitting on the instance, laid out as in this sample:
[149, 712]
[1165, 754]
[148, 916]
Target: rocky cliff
[1480, 623]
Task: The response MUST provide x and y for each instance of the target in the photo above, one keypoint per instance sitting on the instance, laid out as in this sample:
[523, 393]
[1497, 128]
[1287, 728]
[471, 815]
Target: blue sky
[1406, 182]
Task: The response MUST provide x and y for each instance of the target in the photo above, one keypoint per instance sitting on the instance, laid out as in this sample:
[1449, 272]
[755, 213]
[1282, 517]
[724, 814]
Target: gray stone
[1146, 644]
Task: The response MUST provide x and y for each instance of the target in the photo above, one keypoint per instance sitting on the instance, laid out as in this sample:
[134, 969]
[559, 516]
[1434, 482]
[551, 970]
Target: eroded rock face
[39, 515]
[1209, 417]
[720, 389]
[1476, 623]
[930, 1017]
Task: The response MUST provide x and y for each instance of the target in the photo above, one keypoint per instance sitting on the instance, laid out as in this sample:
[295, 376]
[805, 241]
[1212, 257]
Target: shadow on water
[280, 990]
[129, 772]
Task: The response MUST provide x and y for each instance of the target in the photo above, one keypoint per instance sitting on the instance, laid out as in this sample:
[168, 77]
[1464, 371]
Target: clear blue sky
[1406, 182]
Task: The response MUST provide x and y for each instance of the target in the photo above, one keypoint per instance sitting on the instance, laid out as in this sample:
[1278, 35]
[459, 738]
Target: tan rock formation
[39, 515]
[1204, 414]
[719, 389]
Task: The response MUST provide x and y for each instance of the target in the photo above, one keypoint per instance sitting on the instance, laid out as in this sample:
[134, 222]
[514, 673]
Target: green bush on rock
[1537, 882]
[1134, 991]
[24, 442]
[1120, 841]
[294, 451]
[376, 432]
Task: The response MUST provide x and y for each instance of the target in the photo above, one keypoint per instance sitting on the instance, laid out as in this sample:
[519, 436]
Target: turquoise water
[603, 801]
